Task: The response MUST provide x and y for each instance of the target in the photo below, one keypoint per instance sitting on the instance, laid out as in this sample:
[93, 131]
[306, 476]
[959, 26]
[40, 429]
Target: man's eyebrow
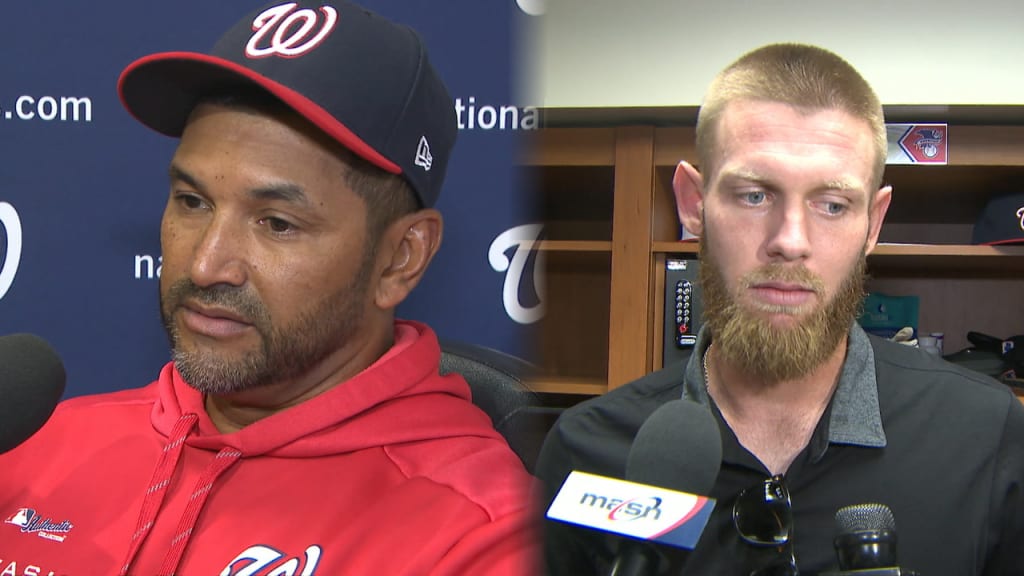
[290, 193]
[843, 185]
[282, 192]
[751, 176]
[177, 173]
[744, 174]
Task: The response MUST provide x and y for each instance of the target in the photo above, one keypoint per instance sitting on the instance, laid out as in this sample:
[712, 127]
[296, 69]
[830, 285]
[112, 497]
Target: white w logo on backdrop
[522, 238]
[11, 225]
[299, 40]
[532, 7]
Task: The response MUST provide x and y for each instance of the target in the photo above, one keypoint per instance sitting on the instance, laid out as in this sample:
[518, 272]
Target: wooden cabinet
[610, 223]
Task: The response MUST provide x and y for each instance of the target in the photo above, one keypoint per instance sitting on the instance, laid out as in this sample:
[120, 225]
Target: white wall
[613, 53]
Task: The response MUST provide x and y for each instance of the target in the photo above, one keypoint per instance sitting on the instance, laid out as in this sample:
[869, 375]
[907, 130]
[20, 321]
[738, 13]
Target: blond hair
[802, 76]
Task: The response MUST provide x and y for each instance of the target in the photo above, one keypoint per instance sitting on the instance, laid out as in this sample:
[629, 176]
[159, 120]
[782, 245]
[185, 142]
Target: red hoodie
[394, 472]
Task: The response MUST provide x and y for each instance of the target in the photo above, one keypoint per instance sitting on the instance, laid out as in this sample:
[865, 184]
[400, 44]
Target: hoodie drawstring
[221, 462]
[157, 489]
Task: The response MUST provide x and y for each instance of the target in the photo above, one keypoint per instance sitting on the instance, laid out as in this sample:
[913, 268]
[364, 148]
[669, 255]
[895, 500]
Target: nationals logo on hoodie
[257, 560]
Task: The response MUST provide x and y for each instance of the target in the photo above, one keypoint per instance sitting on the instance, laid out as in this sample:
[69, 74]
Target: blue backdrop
[83, 186]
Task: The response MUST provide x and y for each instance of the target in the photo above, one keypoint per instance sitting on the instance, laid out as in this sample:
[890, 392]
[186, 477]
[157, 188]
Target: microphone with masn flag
[675, 457]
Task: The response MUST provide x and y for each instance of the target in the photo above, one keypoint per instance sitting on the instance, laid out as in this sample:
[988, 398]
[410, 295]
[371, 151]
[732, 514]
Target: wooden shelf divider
[629, 313]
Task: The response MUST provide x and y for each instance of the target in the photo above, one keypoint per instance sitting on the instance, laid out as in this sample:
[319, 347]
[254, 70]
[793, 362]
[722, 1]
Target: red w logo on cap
[301, 39]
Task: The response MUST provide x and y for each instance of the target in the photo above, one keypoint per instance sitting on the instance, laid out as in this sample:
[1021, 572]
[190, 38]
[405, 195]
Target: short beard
[748, 341]
[286, 352]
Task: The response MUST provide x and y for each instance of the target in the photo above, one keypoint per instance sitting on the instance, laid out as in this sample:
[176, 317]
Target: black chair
[498, 383]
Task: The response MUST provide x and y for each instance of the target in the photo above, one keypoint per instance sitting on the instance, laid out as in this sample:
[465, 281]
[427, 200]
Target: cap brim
[161, 89]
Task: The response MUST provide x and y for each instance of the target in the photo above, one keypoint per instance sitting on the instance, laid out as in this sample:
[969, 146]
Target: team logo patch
[925, 143]
[282, 31]
[31, 522]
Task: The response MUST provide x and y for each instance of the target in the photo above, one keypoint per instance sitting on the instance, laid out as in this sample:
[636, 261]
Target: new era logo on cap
[423, 157]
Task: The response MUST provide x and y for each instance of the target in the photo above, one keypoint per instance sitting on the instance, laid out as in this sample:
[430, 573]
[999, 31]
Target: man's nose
[219, 256]
[789, 233]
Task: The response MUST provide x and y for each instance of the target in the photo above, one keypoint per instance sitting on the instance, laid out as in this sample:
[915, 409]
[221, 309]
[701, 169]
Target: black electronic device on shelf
[683, 303]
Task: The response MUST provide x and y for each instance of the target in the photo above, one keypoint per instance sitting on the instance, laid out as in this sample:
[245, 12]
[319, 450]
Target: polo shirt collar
[854, 414]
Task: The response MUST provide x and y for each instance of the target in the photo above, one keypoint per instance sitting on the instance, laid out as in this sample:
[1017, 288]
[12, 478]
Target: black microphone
[678, 447]
[866, 542]
[31, 383]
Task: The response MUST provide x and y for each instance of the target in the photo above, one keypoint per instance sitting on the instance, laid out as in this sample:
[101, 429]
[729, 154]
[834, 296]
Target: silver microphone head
[864, 517]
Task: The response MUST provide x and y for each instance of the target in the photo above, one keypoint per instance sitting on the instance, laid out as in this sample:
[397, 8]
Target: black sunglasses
[763, 516]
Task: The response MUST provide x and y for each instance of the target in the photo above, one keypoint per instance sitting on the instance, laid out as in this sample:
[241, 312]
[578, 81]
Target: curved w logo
[265, 561]
[10, 250]
[299, 27]
[521, 239]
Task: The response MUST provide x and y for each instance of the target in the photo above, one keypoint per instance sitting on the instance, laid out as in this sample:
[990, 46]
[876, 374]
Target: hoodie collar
[409, 368]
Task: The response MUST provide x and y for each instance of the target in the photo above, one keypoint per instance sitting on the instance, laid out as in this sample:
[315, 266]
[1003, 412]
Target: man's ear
[688, 186]
[876, 214]
[404, 251]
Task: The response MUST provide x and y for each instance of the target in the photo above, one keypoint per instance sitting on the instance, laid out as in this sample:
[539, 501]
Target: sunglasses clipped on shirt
[763, 517]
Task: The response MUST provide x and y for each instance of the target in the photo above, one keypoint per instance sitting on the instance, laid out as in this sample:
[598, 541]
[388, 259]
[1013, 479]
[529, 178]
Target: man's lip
[786, 286]
[212, 322]
[216, 312]
[782, 294]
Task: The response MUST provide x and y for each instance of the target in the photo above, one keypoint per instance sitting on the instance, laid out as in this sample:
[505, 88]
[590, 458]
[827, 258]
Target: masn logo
[626, 510]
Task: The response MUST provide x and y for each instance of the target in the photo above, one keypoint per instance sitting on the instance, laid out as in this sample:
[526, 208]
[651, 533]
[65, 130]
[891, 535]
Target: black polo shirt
[942, 446]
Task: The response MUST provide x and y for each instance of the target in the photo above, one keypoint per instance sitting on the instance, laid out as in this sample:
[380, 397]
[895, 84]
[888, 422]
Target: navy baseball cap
[1001, 222]
[362, 79]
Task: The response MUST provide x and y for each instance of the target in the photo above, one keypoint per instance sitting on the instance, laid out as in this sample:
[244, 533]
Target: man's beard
[286, 352]
[746, 338]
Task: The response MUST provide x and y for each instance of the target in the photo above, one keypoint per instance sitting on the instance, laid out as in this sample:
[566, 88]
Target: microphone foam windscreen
[678, 447]
[31, 383]
[870, 517]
